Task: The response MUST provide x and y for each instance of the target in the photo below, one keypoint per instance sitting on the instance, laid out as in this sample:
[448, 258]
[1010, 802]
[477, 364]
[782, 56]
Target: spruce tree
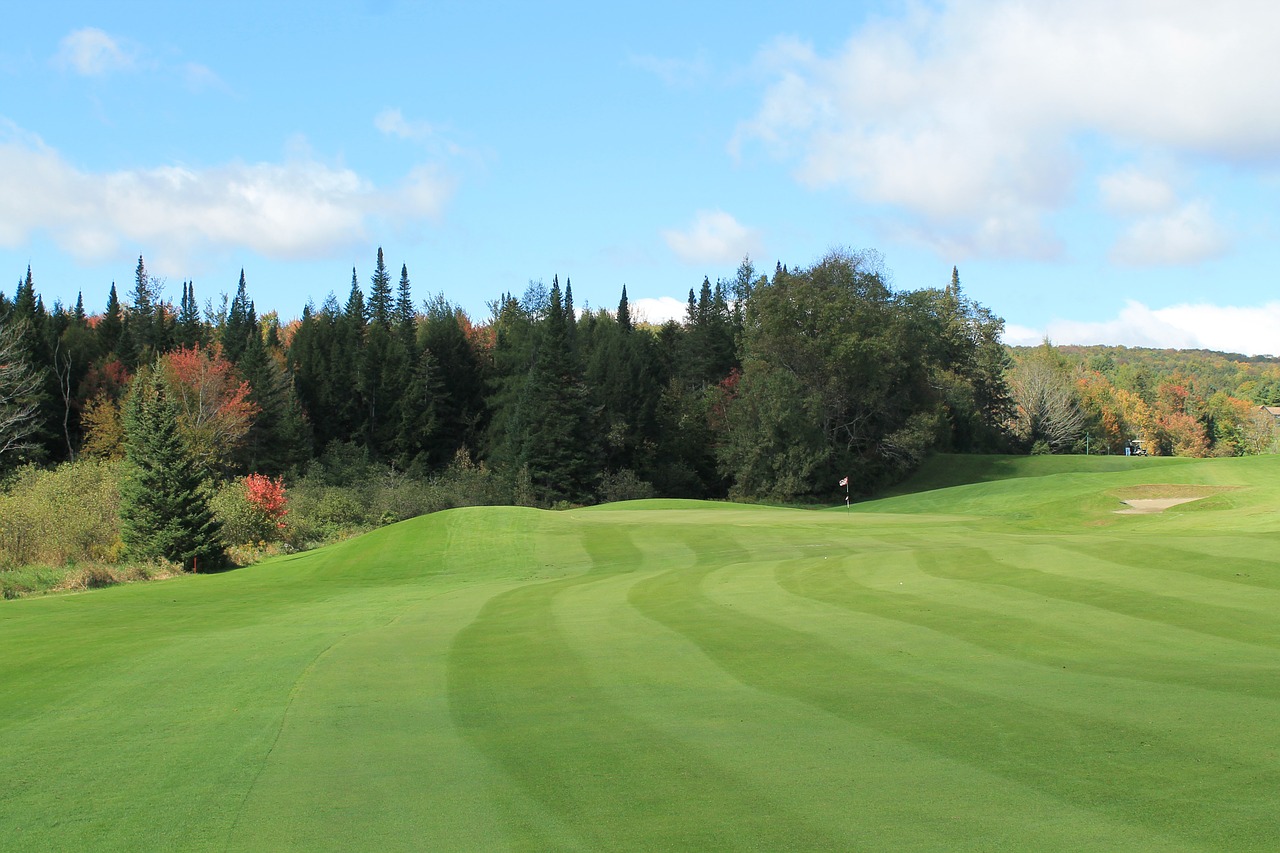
[459, 403]
[111, 326]
[624, 311]
[278, 438]
[164, 502]
[406, 317]
[144, 322]
[242, 323]
[551, 431]
[380, 307]
[189, 331]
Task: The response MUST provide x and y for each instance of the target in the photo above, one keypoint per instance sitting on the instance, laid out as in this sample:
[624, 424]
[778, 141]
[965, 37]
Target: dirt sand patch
[1157, 497]
[1144, 506]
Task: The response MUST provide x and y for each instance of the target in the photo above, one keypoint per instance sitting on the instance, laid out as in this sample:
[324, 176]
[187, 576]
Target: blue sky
[1103, 172]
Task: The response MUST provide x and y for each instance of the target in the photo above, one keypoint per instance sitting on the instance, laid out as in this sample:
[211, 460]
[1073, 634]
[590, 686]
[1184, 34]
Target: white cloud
[1186, 235]
[393, 123]
[1131, 191]
[1251, 330]
[968, 112]
[92, 52]
[1021, 336]
[294, 209]
[714, 237]
[657, 310]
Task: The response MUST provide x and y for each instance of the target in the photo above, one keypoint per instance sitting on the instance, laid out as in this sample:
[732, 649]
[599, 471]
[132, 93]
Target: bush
[65, 515]
[250, 509]
[343, 495]
[624, 485]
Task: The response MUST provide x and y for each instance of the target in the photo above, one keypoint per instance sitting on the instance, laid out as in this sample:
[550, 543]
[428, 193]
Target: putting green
[1007, 664]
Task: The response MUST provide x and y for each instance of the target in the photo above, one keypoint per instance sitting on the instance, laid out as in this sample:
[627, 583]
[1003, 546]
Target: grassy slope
[1000, 665]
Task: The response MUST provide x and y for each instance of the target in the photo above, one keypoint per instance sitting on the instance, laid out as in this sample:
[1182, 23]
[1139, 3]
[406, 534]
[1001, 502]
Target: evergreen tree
[111, 326]
[416, 432]
[406, 317]
[570, 315]
[144, 323]
[189, 331]
[382, 378]
[241, 325]
[164, 502]
[355, 312]
[459, 401]
[624, 311]
[551, 436]
[279, 437]
[381, 309]
[623, 377]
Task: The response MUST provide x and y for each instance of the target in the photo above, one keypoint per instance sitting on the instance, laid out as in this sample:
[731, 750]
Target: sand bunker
[1143, 506]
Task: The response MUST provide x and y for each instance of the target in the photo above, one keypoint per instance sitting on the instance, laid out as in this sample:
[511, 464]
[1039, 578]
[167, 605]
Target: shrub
[250, 509]
[64, 515]
[624, 485]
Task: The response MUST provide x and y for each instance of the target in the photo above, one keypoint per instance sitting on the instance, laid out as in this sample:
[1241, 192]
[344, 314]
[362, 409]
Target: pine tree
[164, 502]
[551, 435]
[189, 331]
[242, 323]
[570, 315]
[624, 311]
[459, 403]
[419, 424]
[278, 437]
[111, 326]
[406, 317]
[145, 331]
[380, 307]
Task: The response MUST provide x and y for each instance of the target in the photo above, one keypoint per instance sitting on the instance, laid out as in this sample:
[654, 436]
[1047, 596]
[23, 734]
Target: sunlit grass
[1003, 665]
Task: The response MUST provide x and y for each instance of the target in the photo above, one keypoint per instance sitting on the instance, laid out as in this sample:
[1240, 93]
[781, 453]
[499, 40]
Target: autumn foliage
[268, 497]
[215, 412]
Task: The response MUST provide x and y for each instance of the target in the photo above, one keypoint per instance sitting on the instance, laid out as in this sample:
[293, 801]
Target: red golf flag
[845, 481]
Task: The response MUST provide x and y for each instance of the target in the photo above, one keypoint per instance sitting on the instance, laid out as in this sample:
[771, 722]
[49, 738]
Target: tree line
[773, 386]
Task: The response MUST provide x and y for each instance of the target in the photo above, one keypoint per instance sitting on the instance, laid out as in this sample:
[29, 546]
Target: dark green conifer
[241, 324]
[624, 311]
[164, 502]
[380, 306]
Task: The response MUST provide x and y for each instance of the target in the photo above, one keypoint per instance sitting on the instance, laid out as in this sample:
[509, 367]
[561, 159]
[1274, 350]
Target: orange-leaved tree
[214, 409]
[268, 497]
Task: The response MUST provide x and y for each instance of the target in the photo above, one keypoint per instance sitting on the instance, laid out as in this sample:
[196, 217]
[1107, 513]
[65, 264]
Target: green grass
[1001, 665]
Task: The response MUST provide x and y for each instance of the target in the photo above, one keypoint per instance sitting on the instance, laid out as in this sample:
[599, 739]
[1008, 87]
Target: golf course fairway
[1005, 664]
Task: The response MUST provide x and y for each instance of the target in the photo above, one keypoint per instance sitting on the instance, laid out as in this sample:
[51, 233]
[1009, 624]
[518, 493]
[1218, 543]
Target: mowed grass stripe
[1070, 682]
[522, 697]
[1044, 574]
[1120, 770]
[1247, 560]
[999, 666]
[801, 759]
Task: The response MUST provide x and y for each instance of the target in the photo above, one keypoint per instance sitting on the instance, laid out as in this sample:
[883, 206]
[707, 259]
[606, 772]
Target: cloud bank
[968, 118]
[299, 208]
[1226, 328]
[714, 237]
